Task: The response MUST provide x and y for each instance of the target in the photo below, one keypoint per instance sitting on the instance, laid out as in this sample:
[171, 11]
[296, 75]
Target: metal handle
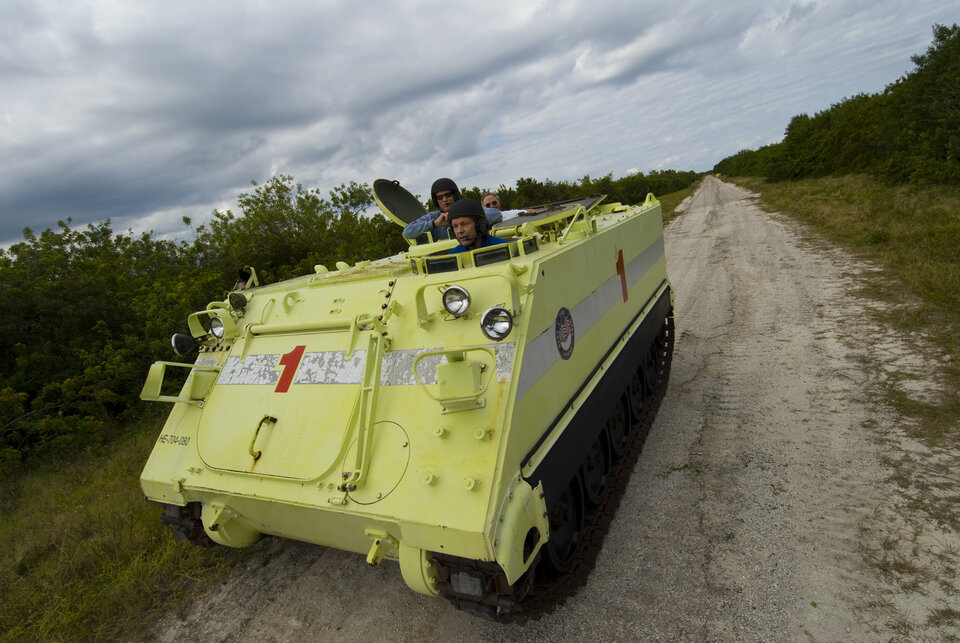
[266, 418]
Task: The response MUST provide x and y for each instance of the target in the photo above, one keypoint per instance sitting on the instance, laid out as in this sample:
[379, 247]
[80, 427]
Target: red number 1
[289, 362]
[622, 271]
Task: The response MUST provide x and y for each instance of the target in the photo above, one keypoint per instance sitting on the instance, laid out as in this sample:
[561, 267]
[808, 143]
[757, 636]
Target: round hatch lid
[396, 202]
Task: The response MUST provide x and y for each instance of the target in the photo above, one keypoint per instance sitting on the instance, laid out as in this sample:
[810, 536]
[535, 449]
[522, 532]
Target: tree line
[631, 189]
[910, 132]
[88, 310]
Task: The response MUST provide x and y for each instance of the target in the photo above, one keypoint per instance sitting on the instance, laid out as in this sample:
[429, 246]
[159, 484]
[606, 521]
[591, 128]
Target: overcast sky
[142, 112]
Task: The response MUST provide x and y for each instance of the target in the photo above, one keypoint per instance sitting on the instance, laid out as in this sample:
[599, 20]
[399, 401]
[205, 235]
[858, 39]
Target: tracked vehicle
[473, 416]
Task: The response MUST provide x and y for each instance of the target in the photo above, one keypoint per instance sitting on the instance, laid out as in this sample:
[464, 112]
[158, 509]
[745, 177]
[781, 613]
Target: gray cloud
[143, 113]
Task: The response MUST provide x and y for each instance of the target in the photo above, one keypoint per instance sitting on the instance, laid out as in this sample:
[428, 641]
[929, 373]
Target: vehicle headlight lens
[183, 345]
[456, 300]
[496, 323]
[238, 301]
[216, 327]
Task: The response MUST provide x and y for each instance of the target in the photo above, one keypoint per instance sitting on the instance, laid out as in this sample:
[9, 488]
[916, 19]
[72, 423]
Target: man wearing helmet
[444, 193]
[468, 221]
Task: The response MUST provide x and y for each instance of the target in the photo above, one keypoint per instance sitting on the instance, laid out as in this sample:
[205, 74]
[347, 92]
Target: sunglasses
[444, 195]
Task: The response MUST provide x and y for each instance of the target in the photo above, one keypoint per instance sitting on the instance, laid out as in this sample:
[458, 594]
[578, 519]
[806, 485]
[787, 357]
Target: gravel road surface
[760, 506]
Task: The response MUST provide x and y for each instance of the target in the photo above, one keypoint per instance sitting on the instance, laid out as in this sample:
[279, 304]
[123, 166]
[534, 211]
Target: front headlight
[183, 345]
[238, 301]
[456, 300]
[216, 327]
[496, 323]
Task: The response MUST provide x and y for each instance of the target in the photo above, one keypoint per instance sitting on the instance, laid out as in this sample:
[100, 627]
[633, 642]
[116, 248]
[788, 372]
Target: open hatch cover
[396, 202]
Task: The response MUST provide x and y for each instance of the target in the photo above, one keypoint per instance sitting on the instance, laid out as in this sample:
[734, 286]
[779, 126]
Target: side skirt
[561, 464]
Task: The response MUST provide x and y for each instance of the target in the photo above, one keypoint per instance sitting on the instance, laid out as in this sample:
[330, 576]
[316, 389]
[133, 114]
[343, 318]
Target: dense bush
[91, 309]
[908, 133]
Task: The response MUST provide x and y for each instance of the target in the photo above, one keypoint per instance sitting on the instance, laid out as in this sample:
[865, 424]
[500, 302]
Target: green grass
[669, 202]
[85, 556]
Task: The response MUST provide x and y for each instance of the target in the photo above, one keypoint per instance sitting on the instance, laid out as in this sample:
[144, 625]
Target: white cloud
[144, 112]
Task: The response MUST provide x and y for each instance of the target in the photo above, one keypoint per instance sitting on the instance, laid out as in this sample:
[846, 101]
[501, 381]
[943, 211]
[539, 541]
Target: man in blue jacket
[468, 221]
[444, 193]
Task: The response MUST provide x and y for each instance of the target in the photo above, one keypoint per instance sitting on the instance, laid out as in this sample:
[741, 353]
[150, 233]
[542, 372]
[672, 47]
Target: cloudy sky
[141, 111]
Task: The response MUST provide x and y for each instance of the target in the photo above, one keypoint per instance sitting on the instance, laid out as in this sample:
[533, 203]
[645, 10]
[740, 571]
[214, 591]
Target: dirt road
[755, 508]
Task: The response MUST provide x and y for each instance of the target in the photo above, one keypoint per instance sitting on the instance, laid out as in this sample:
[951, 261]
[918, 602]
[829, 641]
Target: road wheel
[595, 470]
[618, 427]
[650, 369]
[637, 394]
[566, 518]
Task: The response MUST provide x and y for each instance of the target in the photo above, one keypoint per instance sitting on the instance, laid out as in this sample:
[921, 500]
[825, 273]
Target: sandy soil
[760, 509]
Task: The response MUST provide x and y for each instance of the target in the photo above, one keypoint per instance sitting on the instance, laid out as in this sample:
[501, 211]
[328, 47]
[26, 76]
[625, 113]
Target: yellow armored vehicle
[473, 416]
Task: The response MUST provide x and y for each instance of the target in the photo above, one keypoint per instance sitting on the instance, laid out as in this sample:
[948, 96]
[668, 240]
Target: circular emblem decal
[564, 332]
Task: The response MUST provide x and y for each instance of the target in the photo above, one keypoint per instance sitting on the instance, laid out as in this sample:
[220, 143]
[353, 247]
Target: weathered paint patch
[332, 367]
[255, 369]
[397, 368]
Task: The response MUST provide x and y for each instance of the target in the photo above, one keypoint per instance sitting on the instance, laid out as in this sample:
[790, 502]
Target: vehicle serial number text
[177, 440]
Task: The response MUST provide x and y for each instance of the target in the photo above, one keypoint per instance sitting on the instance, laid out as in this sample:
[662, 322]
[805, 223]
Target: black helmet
[444, 184]
[468, 208]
